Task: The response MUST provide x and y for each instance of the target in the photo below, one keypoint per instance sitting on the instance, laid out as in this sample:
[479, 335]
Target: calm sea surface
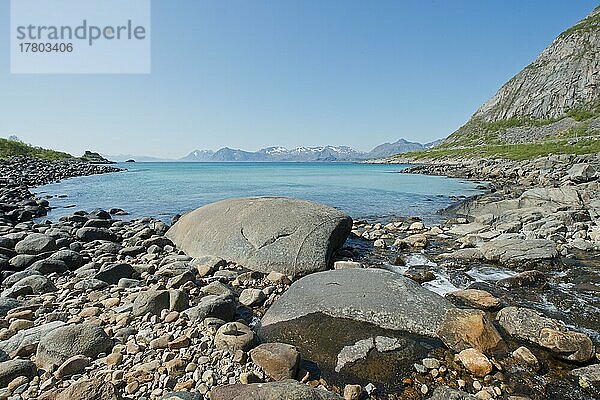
[162, 190]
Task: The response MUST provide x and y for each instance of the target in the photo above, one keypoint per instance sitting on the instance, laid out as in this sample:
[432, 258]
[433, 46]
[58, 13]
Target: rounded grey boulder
[265, 234]
[36, 243]
[358, 325]
[58, 345]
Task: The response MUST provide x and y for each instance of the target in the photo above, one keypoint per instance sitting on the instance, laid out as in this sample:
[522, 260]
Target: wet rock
[516, 250]
[36, 243]
[389, 321]
[416, 240]
[446, 393]
[588, 375]
[420, 275]
[62, 343]
[531, 326]
[463, 329]
[475, 298]
[284, 390]
[475, 361]
[264, 234]
[531, 278]
[524, 356]
[346, 264]
[278, 360]
[89, 234]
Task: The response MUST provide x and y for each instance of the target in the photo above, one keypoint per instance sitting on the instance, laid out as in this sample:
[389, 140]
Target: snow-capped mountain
[306, 154]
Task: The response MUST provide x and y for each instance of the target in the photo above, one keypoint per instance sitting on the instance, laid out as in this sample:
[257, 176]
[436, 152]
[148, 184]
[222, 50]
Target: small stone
[524, 355]
[430, 363]
[114, 359]
[20, 324]
[172, 317]
[278, 360]
[475, 361]
[179, 343]
[249, 377]
[73, 365]
[278, 278]
[132, 387]
[352, 392]
[252, 297]
[161, 342]
[234, 336]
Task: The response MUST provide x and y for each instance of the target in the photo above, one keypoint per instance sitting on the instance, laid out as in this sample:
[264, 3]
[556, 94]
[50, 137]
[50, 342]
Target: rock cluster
[96, 307]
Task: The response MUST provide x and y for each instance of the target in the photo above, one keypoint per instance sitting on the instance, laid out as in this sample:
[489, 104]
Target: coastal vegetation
[14, 147]
[522, 151]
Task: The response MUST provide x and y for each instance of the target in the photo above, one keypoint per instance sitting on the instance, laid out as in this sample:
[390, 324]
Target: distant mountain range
[305, 154]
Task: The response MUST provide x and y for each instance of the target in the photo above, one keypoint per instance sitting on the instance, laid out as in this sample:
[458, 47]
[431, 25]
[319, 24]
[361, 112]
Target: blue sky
[250, 74]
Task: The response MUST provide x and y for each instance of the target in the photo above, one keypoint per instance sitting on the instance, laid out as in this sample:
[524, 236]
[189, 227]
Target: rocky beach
[273, 298]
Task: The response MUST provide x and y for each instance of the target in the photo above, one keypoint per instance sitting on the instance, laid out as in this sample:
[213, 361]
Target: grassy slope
[525, 151]
[480, 139]
[9, 148]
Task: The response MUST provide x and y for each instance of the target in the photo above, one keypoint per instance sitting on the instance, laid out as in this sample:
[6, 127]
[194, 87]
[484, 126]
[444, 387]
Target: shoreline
[80, 281]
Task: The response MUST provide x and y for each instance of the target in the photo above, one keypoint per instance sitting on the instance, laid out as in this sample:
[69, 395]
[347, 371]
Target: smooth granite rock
[62, 343]
[27, 338]
[265, 234]
[518, 250]
[36, 243]
[389, 322]
[531, 326]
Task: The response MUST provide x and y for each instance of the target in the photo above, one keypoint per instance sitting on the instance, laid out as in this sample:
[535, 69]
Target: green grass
[9, 148]
[589, 24]
[525, 151]
[581, 114]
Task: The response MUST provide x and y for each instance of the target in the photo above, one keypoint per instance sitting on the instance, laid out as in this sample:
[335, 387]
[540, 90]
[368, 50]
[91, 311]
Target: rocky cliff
[551, 96]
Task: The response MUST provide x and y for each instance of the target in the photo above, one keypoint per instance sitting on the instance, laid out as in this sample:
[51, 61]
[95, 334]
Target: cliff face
[565, 78]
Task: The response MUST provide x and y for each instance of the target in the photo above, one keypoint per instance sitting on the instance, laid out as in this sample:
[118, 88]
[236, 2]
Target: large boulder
[517, 250]
[531, 326]
[62, 343]
[36, 243]
[388, 323]
[86, 389]
[26, 340]
[11, 369]
[265, 234]
[284, 390]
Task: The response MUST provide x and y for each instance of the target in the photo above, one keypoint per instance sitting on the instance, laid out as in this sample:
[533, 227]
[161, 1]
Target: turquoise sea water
[376, 192]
